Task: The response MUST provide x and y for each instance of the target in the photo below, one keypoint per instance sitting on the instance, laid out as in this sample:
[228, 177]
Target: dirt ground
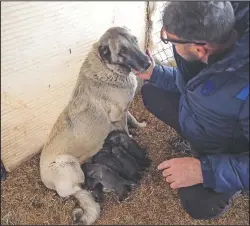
[25, 200]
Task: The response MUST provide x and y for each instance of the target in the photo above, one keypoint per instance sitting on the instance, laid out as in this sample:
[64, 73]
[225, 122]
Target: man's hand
[146, 74]
[182, 172]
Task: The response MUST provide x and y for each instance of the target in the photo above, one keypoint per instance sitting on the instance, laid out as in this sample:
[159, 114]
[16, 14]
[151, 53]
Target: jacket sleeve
[164, 77]
[228, 173]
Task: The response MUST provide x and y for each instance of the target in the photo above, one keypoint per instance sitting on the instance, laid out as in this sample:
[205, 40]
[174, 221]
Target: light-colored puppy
[99, 104]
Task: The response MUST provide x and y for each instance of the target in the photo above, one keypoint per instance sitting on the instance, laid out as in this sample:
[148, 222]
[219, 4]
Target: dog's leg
[117, 117]
[126, 127]
[67, 179]
[133, 122]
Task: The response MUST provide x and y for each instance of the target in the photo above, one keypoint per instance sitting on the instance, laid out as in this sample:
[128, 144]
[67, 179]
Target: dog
[101, 177]
[105, 157]
[114, 156]
[97, 191]
[127, 161]
[130, 145]
[99, 104]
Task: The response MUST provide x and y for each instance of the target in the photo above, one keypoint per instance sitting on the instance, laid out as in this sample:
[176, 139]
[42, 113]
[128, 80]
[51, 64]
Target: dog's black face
[118, 46]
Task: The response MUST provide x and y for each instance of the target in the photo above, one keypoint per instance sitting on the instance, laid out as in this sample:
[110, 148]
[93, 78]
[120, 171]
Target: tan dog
[99, 104]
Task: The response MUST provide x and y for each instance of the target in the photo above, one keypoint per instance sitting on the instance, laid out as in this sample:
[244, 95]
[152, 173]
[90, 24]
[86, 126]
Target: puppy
[110, 180]
[105, 157]
[127, 161]
[130, 145]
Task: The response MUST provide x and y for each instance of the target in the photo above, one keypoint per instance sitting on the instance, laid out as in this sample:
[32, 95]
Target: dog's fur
[99, 104]
[110, 180]
[97, 192]
[124, 165]
[127, 161]
[105, 157]
[130, 145]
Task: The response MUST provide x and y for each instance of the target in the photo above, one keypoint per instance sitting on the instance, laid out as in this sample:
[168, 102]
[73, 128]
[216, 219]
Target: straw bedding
[25, 200]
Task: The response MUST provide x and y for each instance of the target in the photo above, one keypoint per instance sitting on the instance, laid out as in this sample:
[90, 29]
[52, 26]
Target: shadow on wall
[3, 172]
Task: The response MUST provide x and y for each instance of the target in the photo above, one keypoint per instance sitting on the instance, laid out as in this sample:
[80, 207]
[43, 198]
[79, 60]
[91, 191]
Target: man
[206, 100]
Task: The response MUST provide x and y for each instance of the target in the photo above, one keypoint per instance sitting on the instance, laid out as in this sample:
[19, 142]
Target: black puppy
[117, 137]
[99, 177]
[127, 161]
[105, 157]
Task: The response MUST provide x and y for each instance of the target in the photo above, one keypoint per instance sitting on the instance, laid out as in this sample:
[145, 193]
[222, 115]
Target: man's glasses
[173, 41]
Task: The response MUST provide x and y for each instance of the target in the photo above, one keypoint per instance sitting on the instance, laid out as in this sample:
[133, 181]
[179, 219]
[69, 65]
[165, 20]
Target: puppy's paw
[145, 163]
[123, 196]
[128, 188]
[137, 177]
[77, 216]
[98, 197]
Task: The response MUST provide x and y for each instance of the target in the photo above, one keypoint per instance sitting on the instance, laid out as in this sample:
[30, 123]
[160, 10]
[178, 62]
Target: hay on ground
[25, 200]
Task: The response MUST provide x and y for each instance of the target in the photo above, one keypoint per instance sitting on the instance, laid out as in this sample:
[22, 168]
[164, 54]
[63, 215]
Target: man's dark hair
[208, 21]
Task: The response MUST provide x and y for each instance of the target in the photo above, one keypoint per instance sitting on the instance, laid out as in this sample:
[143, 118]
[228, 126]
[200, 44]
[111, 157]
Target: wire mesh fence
[163, 53]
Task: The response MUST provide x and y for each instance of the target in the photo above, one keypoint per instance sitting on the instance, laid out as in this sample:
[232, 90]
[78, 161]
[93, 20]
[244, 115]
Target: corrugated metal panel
[43, 46]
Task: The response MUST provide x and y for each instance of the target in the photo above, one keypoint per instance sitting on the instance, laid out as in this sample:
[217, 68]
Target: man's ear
[104, 52]
[201, 51]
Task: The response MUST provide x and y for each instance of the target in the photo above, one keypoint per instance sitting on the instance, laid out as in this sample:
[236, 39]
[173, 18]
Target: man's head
[207, 26]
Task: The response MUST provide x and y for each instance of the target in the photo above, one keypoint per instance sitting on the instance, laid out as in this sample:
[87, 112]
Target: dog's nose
[147, 65]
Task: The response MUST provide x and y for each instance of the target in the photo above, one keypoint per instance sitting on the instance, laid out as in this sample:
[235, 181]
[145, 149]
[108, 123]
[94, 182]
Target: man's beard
[191, 57]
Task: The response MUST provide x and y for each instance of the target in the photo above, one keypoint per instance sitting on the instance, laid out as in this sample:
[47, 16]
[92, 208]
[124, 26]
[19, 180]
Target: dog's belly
[89, 140]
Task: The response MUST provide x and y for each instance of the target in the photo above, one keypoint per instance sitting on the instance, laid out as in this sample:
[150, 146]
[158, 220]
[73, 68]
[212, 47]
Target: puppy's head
[118, 46]
[117, 137]
[88, 167]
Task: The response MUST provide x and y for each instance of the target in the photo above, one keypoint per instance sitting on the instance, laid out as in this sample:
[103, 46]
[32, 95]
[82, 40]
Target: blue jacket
[214, 108]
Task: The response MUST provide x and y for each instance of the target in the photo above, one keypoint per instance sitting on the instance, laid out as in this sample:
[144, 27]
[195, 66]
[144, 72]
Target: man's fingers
[134, 71]
[174, 185]
[166, 172]
[163, 165]
[148, 52]
[170, 179]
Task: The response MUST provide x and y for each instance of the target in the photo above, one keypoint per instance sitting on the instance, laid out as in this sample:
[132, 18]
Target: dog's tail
[89, 211]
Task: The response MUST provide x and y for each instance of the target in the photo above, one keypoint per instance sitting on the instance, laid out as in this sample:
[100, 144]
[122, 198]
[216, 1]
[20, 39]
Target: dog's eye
[123, 50]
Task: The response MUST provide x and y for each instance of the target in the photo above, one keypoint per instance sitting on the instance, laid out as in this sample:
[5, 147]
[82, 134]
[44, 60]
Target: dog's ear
[104, 52]
[126, 28]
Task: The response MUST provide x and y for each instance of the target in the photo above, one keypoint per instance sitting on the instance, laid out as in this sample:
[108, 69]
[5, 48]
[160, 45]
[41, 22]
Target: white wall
[38, 71]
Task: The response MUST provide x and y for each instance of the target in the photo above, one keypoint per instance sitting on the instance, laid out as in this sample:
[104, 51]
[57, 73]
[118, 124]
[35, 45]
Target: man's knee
[152, 98]
[201, 203]
[146, 90]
